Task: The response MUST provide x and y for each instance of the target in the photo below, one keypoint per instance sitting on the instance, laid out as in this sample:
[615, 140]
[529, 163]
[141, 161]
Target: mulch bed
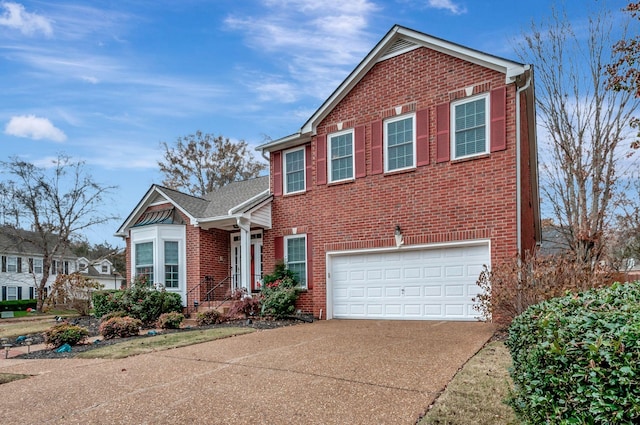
[92, 324]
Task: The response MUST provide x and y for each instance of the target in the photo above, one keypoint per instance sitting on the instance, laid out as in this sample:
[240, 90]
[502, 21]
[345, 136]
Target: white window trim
[386, 143]
[15, 264]
[164, 264]
[353, 155]
[487, 122]
[284, 170]
[36, 267]
[153, 257]
[12, 297]
[306, 260]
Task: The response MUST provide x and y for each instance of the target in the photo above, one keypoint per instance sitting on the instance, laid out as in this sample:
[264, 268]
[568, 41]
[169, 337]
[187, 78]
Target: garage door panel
[436, 283]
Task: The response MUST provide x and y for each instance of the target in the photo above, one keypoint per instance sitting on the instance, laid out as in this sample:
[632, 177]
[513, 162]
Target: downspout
[519, 189]
[518, 163]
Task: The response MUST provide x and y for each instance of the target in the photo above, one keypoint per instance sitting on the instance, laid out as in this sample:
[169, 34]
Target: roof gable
[397, 41]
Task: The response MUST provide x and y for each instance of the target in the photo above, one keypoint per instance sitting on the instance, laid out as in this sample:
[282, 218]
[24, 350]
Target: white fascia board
[192, 219]
[142, 205]
[285, 142]
[250, 201]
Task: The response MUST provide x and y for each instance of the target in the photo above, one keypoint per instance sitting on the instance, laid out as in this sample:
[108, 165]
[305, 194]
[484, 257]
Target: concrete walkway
[328, 372]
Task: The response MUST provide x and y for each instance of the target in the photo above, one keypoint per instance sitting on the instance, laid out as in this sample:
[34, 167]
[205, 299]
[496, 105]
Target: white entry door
[256, 260]
[424, 284]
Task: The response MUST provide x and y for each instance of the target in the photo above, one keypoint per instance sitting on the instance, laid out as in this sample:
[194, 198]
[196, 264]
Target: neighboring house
[22, 265]
[420, 168]
[101, 271]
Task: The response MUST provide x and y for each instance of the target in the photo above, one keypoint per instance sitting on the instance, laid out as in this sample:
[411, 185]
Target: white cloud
[319, 42]
[449, 5]
[15, 16]
[34, 128]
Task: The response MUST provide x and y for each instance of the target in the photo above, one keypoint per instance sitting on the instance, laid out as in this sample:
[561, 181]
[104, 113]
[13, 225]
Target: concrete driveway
[328, 372]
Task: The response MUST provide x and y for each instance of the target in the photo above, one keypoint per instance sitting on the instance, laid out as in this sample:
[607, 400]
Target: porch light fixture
[398, 236]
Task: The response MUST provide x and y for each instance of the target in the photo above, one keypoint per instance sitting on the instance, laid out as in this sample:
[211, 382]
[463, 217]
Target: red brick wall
[448, 201]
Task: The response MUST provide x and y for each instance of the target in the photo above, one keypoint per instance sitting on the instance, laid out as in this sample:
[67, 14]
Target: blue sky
[107, 81]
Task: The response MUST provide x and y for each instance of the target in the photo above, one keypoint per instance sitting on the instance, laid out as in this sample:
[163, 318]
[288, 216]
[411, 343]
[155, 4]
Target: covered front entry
[255, 261]
[427, 283]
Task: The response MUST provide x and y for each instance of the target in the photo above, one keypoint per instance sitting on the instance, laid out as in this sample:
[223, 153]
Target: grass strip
[161, 342]
[10, 377]
[475, 395]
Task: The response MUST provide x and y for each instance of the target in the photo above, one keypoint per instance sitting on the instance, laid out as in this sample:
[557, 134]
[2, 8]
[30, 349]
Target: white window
[399, 143]
[294, 170]
[12, 264]
[296, 257]
[54, 266]
[470, 124]
[341, 158]
[105, 269]
[144, 261]
[171, 260]
[12, 293]
[35, 265]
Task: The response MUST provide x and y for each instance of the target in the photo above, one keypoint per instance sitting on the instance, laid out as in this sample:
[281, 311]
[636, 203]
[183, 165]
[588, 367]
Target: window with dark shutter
[442, 132]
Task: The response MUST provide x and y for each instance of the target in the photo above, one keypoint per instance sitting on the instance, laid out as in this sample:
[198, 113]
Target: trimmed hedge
[576, 359]
[145, 304]
[18, 305]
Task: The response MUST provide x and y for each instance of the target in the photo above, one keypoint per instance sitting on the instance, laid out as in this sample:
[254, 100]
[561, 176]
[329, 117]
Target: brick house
[420, 168]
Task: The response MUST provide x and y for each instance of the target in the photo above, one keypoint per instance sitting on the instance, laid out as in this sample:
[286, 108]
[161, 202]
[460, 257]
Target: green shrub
[171, 320]
[106, 301]
[138, 301]
[209, 317]
[18, 305]
[576, 359]
[122, 327]
[65, 333]
[279, 293]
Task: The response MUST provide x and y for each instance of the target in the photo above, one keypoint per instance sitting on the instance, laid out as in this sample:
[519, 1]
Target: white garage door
[424, 284]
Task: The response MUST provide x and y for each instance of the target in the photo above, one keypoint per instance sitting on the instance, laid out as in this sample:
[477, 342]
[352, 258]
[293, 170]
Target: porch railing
[208, 290]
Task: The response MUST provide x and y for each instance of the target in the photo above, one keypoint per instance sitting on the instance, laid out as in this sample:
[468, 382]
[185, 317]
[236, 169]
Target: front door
[256, 260]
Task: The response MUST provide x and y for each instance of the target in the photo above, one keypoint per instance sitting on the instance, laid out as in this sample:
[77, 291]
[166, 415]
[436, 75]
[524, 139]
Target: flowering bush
[244, 304]
[279, 292]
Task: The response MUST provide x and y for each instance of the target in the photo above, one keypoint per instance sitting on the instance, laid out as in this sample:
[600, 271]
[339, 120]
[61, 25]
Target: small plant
[171, 320]
[209, 317]
[122, 327]
[65, 333]
[279, 292]
[244, 304]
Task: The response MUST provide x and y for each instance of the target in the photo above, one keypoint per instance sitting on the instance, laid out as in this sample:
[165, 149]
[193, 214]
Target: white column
[245, 253]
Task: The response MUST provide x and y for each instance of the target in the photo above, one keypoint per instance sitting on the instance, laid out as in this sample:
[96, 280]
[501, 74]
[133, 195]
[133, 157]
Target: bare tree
[585, 124]
[624, 71]
[56, 203]
[199, 163]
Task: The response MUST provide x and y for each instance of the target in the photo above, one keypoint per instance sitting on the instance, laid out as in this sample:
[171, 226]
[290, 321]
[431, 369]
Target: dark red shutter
[361, 165]
[277, 173]
[321, 159]
[278, 247]
[442, 132]
[377, 166]
[422, 137]
[498, 119]
[309, 261]
[309, 167]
